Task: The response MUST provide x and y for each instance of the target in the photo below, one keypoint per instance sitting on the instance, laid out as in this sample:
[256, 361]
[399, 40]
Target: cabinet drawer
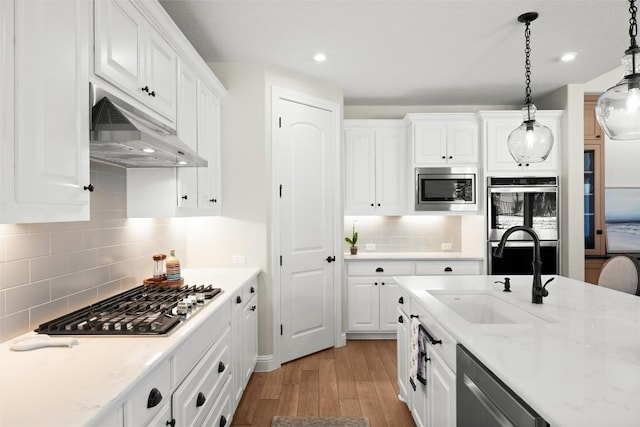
[153, 392]
[220, 415]
[195, 397]
[447, 349]
[199, 342]
[245, 293]
[428, 268]
[388, 268]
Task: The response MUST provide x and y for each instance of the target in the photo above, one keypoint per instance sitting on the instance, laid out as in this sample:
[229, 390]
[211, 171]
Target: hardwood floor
[358, 379]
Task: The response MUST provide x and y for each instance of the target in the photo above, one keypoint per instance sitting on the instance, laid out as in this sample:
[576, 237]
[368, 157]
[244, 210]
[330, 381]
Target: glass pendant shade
[531, 142]
[618, 109]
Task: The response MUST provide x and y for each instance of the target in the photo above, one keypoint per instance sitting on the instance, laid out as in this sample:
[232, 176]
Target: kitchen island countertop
[579, 365]
[77, 386]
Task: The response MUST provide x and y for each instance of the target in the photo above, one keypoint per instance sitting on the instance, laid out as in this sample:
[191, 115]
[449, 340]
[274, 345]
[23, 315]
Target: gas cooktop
[143, 310]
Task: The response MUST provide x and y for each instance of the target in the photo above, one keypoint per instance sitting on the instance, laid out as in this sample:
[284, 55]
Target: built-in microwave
[446, 189]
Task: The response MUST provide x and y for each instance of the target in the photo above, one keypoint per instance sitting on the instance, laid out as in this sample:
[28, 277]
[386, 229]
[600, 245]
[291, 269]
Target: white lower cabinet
[202, 381]
[441, 382]
[432, 404]
[245, 338]
[372, 302]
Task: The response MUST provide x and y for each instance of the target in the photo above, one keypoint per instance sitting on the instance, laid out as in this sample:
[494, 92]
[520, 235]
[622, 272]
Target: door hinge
[281, 191]
[279, 122]
[280, 260]
[281, 330]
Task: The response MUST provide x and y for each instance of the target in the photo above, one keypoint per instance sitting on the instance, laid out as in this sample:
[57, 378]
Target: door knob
[89, 188]
[331, 258]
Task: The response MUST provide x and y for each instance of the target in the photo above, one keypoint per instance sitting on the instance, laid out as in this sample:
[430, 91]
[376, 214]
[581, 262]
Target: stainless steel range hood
[121, 138]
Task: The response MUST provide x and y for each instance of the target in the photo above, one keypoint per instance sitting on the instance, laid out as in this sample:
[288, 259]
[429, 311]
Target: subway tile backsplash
[47, 270]
[405, 233]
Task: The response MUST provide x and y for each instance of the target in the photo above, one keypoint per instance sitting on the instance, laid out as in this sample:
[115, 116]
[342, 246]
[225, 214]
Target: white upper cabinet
[497, 125]
[443, 139]
[189, 191]
[135, 58]
[375, 167]
[44, 114]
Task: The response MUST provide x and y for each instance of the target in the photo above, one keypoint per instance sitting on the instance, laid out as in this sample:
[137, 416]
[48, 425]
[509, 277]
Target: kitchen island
[101, 380]
[575, 360]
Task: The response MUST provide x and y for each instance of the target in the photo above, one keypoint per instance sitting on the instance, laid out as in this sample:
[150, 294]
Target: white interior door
[306, 173]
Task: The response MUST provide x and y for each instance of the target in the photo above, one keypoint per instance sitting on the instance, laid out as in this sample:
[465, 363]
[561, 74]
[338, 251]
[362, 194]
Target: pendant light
[618, 109]
[531, 142]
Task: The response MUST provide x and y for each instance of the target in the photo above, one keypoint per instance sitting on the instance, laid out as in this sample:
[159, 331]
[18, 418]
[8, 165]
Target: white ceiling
[421, 52]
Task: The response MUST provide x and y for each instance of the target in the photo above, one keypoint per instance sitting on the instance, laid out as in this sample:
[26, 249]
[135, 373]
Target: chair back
[622, 273]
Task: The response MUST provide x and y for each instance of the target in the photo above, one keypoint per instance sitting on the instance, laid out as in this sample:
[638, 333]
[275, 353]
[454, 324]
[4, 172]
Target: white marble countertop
[579, 365]
[62, 386]
[415, 256]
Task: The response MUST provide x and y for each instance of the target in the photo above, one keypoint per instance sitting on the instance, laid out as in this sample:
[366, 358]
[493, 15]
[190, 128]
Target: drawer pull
[221, 367]
[379, 270]
[223, 421]
[238, 299]
[400, 319]
[448, 269]
[171, 423]
[432, 340]
[155, 397]
[401, 300]
[252, 290]
[200, 400]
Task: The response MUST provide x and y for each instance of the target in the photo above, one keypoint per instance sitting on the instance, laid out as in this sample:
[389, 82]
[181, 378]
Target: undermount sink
[484, 308]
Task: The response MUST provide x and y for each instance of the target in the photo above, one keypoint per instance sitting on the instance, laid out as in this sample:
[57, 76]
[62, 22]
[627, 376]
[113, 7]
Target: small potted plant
[353, 240]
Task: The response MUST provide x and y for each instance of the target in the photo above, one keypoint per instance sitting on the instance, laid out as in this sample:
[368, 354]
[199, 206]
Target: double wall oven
[528, 201]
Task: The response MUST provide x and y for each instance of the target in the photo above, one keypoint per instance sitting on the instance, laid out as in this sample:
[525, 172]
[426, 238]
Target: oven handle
[550, 189]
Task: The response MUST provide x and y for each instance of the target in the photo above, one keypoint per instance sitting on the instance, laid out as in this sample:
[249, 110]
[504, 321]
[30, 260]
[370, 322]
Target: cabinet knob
[185, 197]
[401, 300]
[152, 93]
[221, 367]
[223, 421]
[378, 204]
[213, 201]
[145, 89]
[451, 157]
[253, 308]
[371, 204]
[382, 283]
[200, 400]
[155, 397]
[526, 164]
[89, 188]
[400, 319]
[375, 283]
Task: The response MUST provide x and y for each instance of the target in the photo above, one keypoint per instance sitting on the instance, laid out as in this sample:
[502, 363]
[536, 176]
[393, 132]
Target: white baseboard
[266, 363]
[372, 336]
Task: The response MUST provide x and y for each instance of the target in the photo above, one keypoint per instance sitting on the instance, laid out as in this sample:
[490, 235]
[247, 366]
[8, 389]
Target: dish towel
[414, 350]
[421, 372]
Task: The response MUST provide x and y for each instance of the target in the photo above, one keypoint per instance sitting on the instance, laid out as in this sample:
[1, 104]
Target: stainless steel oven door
[535, 207]
[517, 258]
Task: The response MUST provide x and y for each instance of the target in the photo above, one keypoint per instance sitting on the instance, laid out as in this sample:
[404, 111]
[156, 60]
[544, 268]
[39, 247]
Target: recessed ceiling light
[148, 150]
[569, 56]
[182, 162]
[319, 57]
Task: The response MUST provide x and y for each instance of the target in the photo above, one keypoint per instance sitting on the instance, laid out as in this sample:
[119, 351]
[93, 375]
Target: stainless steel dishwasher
[482, 400]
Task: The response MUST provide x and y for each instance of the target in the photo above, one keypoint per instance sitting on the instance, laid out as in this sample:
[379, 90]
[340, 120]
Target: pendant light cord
[527, 69]
[633, 24]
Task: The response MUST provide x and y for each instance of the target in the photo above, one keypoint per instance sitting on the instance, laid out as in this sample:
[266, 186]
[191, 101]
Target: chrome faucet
[538, 291]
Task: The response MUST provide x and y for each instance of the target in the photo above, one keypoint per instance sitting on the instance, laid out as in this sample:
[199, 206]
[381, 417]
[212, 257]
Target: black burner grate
[144, 310]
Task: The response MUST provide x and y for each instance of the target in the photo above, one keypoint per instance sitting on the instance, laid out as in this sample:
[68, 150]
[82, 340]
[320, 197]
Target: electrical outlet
[370, 246]
[238, 259]
[445, 246]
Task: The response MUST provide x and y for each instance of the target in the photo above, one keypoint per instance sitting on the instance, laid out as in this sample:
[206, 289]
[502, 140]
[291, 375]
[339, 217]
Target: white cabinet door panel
[430, 143]
[363, 304]
[360, 164]
[389, 172]
[160, 75]
[119, 29]
[389, 292]
[462, 143]
[442, 393]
